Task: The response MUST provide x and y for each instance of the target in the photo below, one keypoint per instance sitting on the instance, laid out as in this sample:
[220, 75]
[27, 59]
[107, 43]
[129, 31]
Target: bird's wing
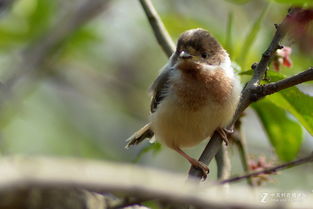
[159, 87]
[158, 90]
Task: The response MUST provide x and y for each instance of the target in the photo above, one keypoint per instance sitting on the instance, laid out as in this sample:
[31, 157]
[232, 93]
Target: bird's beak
[185, 55]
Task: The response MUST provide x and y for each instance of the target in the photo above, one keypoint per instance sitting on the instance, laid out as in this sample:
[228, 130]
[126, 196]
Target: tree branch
[271, 170]
[247, 96]
[207, 155]
[223, 163]
[48, 174]
[274, 87]
[161, 34]
[248, 93]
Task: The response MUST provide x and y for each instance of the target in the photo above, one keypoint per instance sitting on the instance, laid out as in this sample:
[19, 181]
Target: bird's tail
[140, 135]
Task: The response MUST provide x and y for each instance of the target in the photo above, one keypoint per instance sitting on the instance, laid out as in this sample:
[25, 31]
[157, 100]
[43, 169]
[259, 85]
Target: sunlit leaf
[299, 104]
[251, 38]
[284, 133]
[296, 2]
[28, 20]
[24, 8]
[176, 24]
[151, 204]
[229, 29]
[80, 41]
[40, 19]
[247, 72]
[153, 147]
[239, 1]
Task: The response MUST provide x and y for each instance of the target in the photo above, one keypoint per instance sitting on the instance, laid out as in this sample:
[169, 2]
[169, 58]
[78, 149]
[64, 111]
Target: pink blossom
[282, 57]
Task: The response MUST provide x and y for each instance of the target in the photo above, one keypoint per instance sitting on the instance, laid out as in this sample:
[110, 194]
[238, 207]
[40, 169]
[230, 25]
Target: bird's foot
[201, 166]
[229, 132]
[195, 163]
[224, 133]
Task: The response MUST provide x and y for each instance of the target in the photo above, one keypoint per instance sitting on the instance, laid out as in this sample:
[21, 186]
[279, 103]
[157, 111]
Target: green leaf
[41, 18]
[176, 23]
[80, 41]
[154, 147]
[246, 72]
[28, 20]
[229, 29]
[296, 2]
[284, 133]
[251, 38]
[152, 204]
[299, 104]
[239, 1]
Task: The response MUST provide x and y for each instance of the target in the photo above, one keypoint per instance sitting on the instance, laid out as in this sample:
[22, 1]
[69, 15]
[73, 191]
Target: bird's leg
[195, 163]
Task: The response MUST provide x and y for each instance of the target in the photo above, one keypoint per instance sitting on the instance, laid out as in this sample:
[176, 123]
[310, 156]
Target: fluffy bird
[195, 94]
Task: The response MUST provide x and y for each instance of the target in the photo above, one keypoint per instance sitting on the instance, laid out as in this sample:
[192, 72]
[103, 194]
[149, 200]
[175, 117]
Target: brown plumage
[195, 94]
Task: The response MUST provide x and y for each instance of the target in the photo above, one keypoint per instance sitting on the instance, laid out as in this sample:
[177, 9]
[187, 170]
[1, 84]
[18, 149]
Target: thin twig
[161, 34]
[271, 170]
[274, 87]
[248, 96]
[240, 141]
[223, 164]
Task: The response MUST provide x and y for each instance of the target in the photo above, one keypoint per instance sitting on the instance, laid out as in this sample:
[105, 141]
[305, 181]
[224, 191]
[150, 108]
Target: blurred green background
[92, 94]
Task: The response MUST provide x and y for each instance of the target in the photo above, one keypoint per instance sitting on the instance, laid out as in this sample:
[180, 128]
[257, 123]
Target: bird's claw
[202, 167]
[224, 133]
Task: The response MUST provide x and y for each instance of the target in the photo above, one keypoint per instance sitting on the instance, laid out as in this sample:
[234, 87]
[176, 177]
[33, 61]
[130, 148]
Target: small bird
[195, 94]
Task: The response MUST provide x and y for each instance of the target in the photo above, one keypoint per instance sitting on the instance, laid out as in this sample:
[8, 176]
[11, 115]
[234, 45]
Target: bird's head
[196, 48]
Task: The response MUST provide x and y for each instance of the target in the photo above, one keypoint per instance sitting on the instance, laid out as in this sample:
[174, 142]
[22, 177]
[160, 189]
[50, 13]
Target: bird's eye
[204, 55]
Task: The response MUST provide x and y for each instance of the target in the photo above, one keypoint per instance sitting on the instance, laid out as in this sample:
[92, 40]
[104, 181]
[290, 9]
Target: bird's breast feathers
[195, 91]
[197, 102]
